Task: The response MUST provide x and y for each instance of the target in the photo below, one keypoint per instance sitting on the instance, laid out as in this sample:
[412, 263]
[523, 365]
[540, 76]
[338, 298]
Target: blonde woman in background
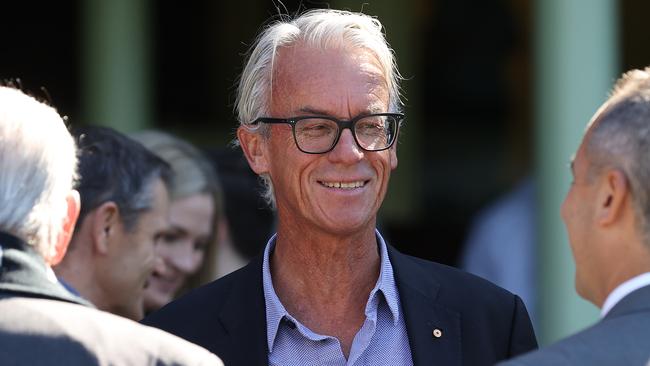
[188, 248]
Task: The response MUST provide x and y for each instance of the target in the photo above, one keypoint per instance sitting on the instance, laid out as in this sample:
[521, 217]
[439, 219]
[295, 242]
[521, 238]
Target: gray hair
[620, 138]
[37, 169]
[321, 28]
[114, 167]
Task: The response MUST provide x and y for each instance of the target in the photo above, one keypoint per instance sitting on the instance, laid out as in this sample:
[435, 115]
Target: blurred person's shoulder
[620, 338]
[67, 333]
[618, 341]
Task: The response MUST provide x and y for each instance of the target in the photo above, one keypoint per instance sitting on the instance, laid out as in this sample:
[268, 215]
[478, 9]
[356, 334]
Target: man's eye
[316, 129]
[370, 128]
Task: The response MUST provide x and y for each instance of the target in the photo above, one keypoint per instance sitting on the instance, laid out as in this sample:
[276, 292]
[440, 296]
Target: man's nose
[346, 149]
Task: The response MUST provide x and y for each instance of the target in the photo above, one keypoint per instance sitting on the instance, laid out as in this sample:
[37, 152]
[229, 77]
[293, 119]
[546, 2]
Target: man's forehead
[580, 156]
[328, 81]
[305, 64]
[372, 107]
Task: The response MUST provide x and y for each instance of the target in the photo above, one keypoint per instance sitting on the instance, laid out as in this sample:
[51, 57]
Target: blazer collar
[433, 329]
[638, 300]
[23, 272]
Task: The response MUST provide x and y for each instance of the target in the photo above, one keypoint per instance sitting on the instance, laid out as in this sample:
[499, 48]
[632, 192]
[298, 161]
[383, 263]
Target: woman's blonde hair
[192, 174]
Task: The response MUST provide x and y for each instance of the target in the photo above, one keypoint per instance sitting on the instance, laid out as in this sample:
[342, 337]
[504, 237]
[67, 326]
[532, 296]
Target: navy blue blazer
[480, 322]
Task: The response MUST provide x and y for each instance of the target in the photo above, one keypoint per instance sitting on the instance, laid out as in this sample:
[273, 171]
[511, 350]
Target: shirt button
[437, 333]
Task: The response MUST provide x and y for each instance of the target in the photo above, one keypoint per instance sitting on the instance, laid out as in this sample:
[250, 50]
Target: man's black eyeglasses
[319, 134]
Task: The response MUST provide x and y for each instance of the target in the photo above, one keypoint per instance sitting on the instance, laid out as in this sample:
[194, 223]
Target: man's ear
[105, 221]
[65, 235]
[613, 192]
[393, 156]
[253, 144]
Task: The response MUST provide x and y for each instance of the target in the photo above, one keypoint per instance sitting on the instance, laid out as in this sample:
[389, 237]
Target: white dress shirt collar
[623, 290]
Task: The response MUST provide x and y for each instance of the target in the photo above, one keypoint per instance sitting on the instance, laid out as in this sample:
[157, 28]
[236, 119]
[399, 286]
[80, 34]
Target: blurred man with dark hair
[124, 210]
[40, 322]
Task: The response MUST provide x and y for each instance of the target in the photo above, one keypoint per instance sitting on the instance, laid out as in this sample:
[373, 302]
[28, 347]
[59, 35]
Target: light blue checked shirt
[382, 339]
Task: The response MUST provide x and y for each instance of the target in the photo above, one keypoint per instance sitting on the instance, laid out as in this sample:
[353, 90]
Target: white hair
[37, 169]
[322, 29]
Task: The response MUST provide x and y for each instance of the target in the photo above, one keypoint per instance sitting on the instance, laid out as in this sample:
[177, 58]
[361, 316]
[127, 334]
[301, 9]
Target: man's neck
[627, 263]
[324, 283]
[76, 271]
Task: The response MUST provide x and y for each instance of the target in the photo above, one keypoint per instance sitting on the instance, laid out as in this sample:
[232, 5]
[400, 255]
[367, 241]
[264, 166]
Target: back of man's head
[37, 169]
[113, 167]
[620, 138]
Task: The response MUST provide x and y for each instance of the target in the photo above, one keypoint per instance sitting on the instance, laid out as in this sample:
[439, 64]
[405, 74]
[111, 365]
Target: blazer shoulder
[196, 316]
[611, 341]
[76, 334]
[453, 281]
[211, 294]
[492, 320]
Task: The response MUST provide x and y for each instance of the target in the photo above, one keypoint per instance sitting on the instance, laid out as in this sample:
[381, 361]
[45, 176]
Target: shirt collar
[623, 290]
[385, 285]
[386, 282]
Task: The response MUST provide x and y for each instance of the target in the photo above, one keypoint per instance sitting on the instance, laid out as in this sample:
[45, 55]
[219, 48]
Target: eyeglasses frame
[342, 125]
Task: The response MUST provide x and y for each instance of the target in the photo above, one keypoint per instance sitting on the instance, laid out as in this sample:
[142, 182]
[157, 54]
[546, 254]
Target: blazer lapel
[433, 330]
[244, 318]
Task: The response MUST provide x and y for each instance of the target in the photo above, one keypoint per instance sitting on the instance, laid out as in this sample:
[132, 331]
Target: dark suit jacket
[621, 338]
[480, 322]
[42, 324]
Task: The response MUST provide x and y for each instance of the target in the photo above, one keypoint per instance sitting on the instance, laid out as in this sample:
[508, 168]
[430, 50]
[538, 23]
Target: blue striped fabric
[382, 339]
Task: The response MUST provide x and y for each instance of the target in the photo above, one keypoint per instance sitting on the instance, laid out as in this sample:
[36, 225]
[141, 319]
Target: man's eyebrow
[320, 112]
[312, 110]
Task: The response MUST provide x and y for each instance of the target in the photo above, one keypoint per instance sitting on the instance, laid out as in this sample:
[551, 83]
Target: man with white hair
[319, 113]
[607, 215]
[40, 321]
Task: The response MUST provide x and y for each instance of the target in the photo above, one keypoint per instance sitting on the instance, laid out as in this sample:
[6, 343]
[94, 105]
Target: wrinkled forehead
[307, 73]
